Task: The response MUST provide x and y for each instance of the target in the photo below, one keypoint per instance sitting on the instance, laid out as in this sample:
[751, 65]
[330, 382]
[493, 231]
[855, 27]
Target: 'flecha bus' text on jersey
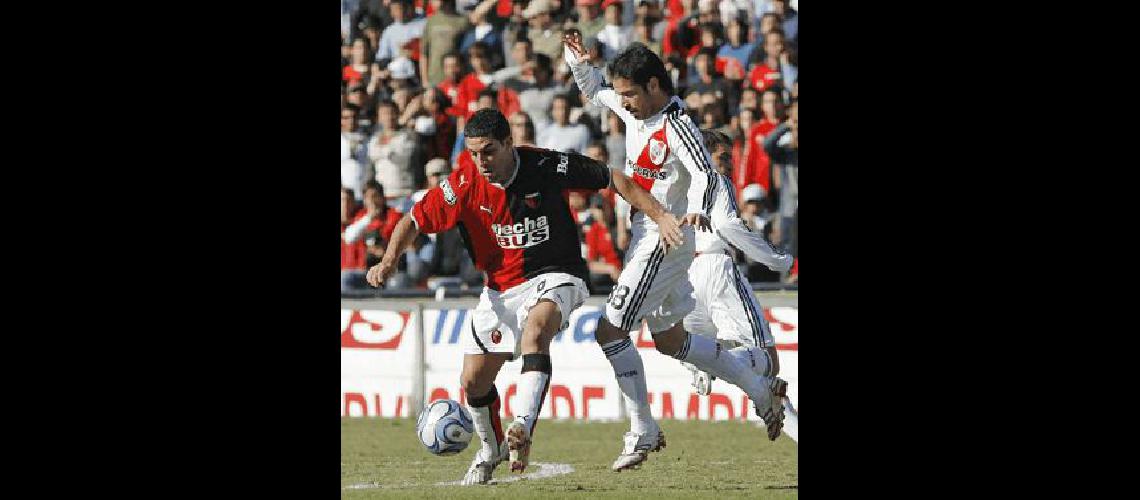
[519, 230]
[665, 153]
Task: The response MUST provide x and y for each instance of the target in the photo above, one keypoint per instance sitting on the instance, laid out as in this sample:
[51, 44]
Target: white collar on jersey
[513, 175]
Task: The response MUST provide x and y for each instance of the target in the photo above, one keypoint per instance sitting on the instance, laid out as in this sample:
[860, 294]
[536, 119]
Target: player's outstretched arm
[639, 198]
[589, 79]
[402, 236]
[730, 227]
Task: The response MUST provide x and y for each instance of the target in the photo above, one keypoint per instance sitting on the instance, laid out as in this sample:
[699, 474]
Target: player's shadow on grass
[785, 487]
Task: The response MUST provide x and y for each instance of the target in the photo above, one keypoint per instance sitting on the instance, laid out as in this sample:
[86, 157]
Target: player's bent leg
[707, 354]
[542, 322]
[477, 379]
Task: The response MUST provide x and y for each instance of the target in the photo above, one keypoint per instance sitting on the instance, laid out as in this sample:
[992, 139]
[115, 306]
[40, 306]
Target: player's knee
[668, 342]
[473, 385]
[605, 333]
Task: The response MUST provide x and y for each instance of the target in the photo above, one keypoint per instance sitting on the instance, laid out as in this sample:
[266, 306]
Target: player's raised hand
[670, 229]
[698, 221]
[573, 39]
[379, 273]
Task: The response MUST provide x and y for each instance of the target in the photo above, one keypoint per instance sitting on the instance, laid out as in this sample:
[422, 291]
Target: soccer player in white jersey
[669, 160]
[725, 308]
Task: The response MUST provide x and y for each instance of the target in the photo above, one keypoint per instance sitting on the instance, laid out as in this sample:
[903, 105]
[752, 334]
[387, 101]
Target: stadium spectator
[352, 255]
[776, 69]
[643, 32]
[597, 246]
[370, 228]
[614, 37]
[396, 153]
[755, 160]
[791, 20]
[352, 144]
[522, 129]
[537, 98]
[452, 76]
[543, 33]
[615, 140]
[736, 52]
[482, 30]
[560, 134]
[782, 146]
[441, 36]
[480, 78]
[521, 52]
[589, 22]
[357, 70]
[404, 28]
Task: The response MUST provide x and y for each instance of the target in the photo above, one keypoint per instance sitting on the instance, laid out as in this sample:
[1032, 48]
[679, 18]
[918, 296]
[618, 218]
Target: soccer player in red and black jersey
[510, 205]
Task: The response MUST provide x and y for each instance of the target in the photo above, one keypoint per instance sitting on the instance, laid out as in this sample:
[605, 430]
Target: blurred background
[414, 70]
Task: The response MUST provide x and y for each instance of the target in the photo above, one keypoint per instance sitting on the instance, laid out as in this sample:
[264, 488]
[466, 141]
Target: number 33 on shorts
[618, 295]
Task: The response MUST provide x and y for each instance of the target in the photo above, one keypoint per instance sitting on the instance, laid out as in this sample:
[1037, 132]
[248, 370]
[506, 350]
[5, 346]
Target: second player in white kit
[668, 159]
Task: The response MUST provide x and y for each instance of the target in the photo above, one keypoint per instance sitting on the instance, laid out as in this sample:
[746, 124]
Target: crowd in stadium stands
[414, 70]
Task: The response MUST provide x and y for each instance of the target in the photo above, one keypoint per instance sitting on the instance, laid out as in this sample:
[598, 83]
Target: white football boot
[483, 466]
[518, 445]
[637, 448]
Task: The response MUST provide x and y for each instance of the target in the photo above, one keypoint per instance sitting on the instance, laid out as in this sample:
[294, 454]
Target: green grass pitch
[381, 458]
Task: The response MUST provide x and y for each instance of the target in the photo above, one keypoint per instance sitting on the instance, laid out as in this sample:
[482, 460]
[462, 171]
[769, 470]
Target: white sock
[532, 387]
[630, 374]
[486, 420]
[707, 355]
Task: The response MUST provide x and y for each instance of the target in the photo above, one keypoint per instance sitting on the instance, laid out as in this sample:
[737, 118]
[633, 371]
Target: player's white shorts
[726, 307]
[654, 284]
[497, 322]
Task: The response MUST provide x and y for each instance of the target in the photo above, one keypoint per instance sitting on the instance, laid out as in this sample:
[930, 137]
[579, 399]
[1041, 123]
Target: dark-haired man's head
[452, 67]
[720, 149]
[774, 44]
[521, 51]
[486, 99]
[772, 104]
[487, 136]
[387, 115]
[639, 77]
[480, 58]
[737, 32]
[401, 10]
[522, 129]
[543, 70]
[374, 196]
[348, 117]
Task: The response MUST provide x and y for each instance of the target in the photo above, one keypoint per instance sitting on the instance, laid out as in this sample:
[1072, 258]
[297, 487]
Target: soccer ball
[445, 427]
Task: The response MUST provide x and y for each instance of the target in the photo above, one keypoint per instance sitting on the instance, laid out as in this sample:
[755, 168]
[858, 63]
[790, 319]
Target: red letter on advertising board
[744, 407]
[693, 412]
[557, 392]
[717, 399]
[666, 405]
[399, 406]
[590, 392]
[358, 398]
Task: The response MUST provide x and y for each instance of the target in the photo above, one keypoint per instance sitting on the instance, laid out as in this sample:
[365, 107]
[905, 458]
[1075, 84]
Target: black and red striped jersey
[523, 228]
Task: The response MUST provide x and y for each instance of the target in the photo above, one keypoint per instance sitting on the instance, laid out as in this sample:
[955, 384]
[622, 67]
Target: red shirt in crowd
[467, 96]
[599, 245]
[354, 255]
[352, 76]
[762, 77]
[754, 167]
